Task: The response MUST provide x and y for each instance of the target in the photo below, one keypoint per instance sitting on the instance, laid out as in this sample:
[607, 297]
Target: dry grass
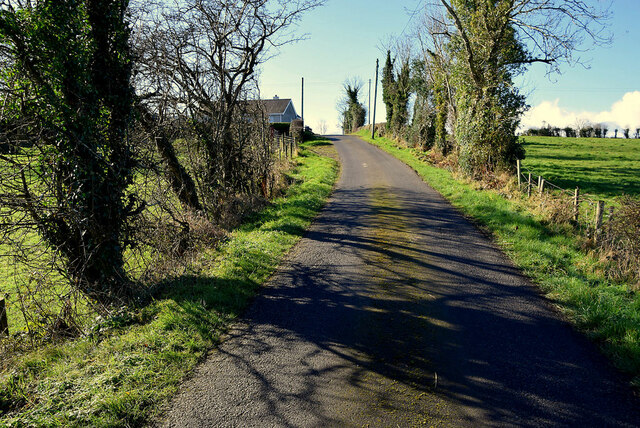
[620, 243]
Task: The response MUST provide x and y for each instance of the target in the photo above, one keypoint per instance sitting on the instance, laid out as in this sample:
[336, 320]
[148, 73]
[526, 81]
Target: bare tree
[581, 126]
[553, 30]
[158, 103]
[199, 62]
[322, 127]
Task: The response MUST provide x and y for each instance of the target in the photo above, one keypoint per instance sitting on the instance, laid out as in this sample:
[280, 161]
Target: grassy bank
[603, 167]
[550, 255]
[122, 373]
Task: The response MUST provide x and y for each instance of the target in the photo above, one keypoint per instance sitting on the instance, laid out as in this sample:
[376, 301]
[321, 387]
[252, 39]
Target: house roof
[271, 107]
[275, 106]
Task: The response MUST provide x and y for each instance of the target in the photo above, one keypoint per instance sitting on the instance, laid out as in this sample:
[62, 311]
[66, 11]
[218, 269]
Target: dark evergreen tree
[400, 97]
[388, 88]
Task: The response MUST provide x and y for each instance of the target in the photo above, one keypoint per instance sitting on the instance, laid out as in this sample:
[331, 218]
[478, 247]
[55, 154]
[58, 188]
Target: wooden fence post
[4, 325]
[576, 205]
[611, 210]
[599, 212]
[519, 175]
[539, 182]
[541, 185]
[529, 185]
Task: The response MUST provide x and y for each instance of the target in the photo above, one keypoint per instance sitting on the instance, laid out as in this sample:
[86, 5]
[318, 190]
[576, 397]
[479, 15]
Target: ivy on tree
[353, 111]
[67, 94]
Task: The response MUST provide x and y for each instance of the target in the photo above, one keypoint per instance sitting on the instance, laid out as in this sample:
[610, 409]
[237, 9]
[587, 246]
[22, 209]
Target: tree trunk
[180, 180]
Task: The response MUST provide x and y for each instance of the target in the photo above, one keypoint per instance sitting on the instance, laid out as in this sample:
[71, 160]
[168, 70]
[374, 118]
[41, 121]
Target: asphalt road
[396, 311]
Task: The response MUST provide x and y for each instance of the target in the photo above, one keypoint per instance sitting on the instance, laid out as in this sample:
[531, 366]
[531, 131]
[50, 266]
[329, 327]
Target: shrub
[281, 127]
[296, 129]
[622, 240]
[485, 131]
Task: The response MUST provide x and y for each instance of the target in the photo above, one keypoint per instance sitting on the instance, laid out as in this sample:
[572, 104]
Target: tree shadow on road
[427, 319]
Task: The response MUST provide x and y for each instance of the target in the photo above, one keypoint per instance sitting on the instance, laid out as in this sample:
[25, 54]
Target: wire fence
[287, 146]
[587, 211]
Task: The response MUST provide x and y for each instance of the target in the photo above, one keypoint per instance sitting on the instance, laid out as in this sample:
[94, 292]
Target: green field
[603, 167]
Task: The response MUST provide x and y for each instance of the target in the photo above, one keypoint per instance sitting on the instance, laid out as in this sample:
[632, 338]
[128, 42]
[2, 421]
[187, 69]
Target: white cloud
[624, 113]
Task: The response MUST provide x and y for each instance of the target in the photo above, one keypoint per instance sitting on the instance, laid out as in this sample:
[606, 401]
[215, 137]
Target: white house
[280, 110]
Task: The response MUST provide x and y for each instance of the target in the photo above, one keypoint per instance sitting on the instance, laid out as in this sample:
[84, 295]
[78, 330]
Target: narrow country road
[395, 311]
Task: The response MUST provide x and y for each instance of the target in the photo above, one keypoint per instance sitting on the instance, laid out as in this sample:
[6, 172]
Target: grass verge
[121, 375]
[549, 254]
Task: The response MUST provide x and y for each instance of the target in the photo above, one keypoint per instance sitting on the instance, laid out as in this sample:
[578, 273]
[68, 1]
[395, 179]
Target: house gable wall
[287, 116]
[289, 113]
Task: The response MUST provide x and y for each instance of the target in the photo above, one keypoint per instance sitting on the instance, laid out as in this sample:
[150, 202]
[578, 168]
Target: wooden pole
[519, 176]
[599, 212]
[611, 209]
[529, 185]
[539, 182]
[369, 99]
[541, 186]
[375, 98]
[4, 325]
[576, 205]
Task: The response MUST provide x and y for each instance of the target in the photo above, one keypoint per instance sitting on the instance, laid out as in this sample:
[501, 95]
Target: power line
[584, 89]
[413, 14]
[308, 82]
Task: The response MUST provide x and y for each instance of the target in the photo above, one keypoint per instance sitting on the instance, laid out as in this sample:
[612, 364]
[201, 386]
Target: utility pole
[369, 110]
[375, 98]
[302, 103]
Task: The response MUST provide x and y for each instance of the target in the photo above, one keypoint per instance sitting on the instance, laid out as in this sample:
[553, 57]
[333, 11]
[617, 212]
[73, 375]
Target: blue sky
[345, 38]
